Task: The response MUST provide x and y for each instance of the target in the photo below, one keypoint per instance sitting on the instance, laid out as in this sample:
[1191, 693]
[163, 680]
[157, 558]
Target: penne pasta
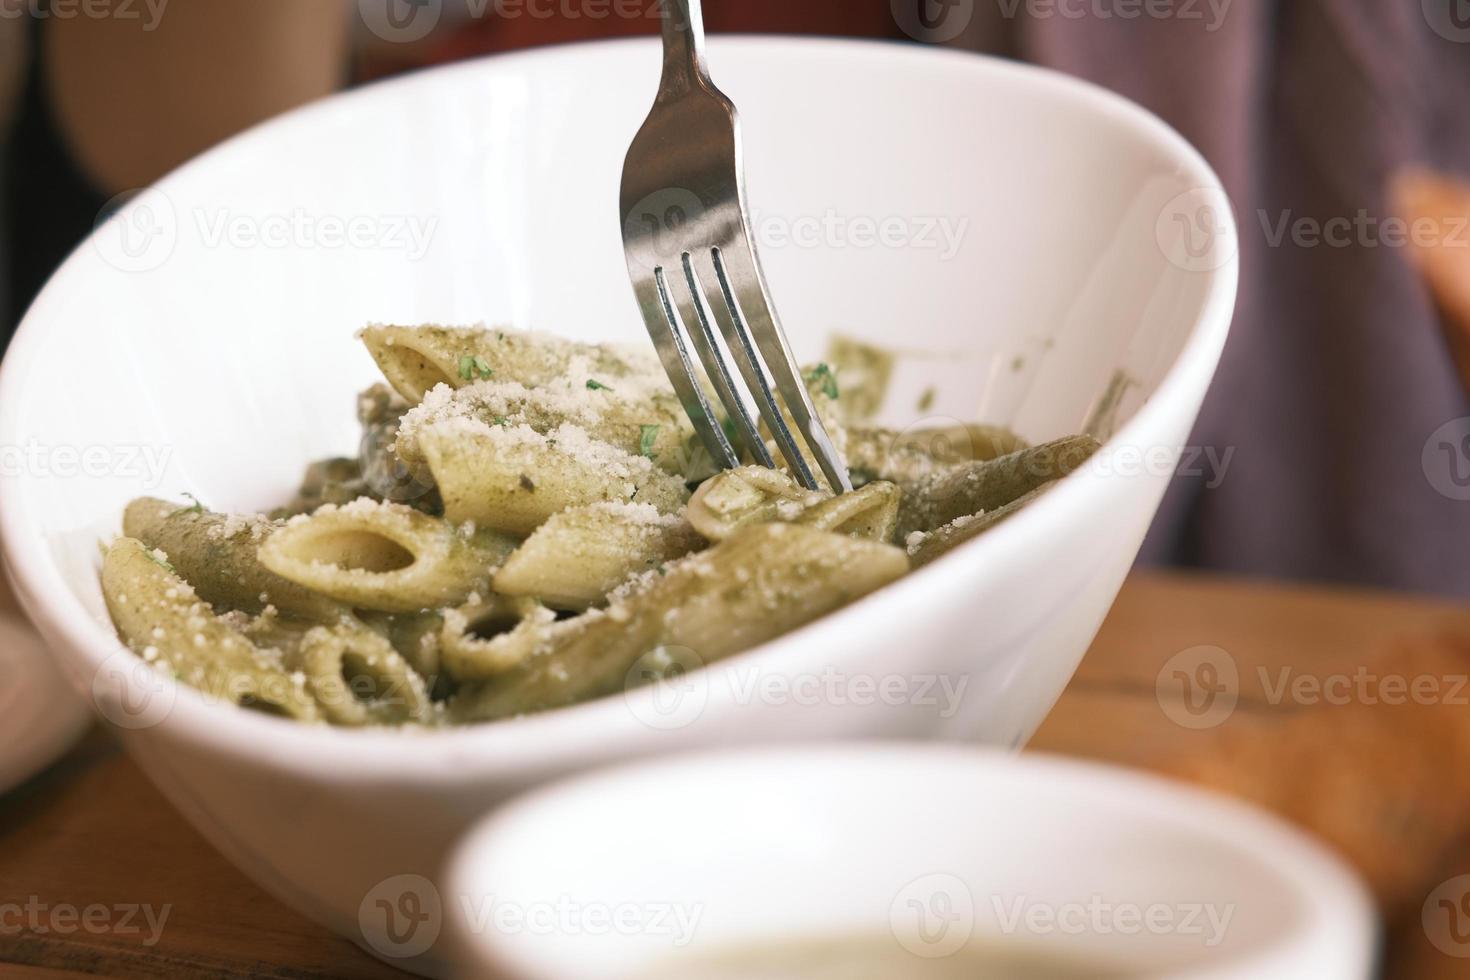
[513, 478]
[924, 548]
[763, 581]
[909, 456]
[164, 621]
[217, 554]
[755, 495]
[415, 360]
[641, 420]
[975, 488]
[578, 556]
[385, 557]
[487, 637]
[517, 533]
[357, 678]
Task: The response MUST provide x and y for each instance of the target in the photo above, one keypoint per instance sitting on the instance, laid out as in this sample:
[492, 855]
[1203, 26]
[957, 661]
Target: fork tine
[663, 326]
[716, 367]
[737, 340]
[744, 286]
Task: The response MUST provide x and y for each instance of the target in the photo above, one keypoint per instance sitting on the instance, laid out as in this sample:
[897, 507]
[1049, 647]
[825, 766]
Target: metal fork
[695, 272]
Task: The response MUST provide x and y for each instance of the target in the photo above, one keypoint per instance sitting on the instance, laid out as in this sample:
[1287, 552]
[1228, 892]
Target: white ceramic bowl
[627, 873]
[202, 341]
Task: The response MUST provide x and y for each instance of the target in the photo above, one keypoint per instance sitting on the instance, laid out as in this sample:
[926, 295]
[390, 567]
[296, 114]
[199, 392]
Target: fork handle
[684, 63]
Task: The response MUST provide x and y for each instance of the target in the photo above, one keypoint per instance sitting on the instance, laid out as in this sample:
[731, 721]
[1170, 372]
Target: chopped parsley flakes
[595, 385]
[647, 436]
[474, 366]
[195, 508]
[822, 375]
[160, 562]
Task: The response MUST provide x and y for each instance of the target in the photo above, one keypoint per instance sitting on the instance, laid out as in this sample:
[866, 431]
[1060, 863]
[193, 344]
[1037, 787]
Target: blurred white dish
[624, 874]
[40, 716]
[202, 341]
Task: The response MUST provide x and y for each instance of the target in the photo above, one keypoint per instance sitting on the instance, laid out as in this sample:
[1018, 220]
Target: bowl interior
[998, 225]
[929, 850]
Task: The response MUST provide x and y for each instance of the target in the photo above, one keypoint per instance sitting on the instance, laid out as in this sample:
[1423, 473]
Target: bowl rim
[1320, 881]
[531, 743]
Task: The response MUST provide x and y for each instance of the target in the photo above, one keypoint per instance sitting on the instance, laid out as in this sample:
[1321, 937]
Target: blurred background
[1335, 445]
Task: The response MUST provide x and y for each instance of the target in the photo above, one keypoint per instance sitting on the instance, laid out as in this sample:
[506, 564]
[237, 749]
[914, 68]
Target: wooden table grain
[93, 832]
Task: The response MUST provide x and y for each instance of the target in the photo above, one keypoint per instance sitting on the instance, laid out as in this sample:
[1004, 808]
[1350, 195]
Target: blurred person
[12, 70]
[115, 95]
[1338, 390]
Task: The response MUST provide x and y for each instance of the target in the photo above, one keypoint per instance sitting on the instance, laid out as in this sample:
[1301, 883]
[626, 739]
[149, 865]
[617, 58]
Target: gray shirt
[1338, 393]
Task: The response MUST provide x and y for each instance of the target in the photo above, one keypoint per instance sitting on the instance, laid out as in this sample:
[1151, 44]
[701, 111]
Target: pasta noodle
[532, 522]
[700, 610]
[581, 554]
[163, 620]
[385, 557]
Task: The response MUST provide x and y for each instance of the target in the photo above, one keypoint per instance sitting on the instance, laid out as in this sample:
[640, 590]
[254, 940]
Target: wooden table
[93, 831]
